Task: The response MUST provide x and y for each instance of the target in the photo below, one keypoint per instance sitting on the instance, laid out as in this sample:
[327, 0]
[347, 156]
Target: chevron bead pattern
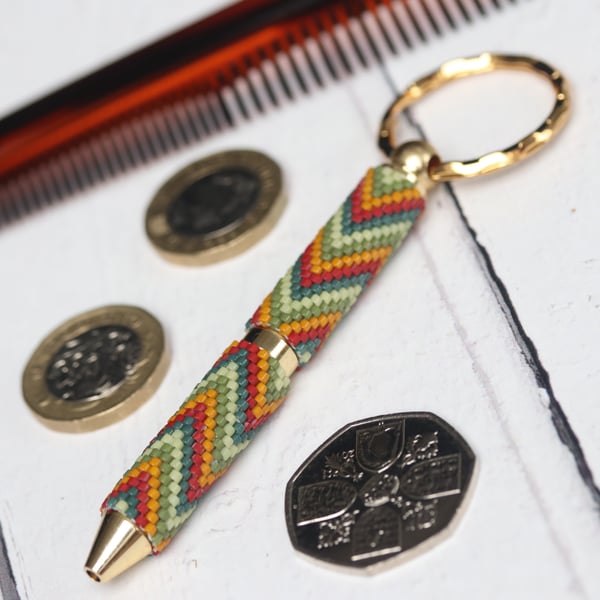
[312, 297]
[199, 442]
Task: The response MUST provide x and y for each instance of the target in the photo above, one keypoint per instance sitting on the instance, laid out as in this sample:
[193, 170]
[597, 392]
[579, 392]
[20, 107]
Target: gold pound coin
[96, 368]
[216, 207]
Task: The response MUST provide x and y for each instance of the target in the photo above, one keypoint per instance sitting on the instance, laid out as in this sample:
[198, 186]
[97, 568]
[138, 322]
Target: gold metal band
[465, 67]
[276, 346]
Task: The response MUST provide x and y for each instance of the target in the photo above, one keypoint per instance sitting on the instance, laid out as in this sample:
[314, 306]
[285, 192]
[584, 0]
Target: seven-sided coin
[379, 488]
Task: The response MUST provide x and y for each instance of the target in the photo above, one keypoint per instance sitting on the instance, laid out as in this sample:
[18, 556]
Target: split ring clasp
[465, 67]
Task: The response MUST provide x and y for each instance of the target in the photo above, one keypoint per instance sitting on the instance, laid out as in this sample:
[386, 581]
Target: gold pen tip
[119, 545]
[93, 575]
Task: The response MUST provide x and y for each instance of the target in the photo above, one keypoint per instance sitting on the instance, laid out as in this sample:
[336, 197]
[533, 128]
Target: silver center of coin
[378, 488]
[214, 203]
[93, 364]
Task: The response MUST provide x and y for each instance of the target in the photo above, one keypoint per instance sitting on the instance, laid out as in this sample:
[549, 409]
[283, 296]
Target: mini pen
[250, 380]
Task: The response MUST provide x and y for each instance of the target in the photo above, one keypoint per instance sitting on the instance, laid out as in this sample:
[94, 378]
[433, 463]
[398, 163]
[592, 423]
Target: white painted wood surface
[431, 334]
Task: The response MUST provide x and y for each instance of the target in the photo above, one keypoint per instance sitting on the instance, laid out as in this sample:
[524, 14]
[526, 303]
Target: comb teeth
[334, 44]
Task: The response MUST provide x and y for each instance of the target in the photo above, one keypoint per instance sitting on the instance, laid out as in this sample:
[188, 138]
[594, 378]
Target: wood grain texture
[435, 334]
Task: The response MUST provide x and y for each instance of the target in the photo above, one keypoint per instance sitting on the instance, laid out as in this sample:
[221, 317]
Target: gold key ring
[465, 67]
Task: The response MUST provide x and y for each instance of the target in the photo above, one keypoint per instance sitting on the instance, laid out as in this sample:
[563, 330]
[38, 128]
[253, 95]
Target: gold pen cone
[119, 544]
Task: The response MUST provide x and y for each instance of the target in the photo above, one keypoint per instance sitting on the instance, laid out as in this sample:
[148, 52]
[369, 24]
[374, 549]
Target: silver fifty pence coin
[379, 490]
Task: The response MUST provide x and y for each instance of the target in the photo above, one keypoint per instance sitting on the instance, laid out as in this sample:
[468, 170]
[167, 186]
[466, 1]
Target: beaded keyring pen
[250, 380]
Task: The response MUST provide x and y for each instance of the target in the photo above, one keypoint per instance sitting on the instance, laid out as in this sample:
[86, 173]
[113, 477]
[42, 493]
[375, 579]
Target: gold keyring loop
[476, 65]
